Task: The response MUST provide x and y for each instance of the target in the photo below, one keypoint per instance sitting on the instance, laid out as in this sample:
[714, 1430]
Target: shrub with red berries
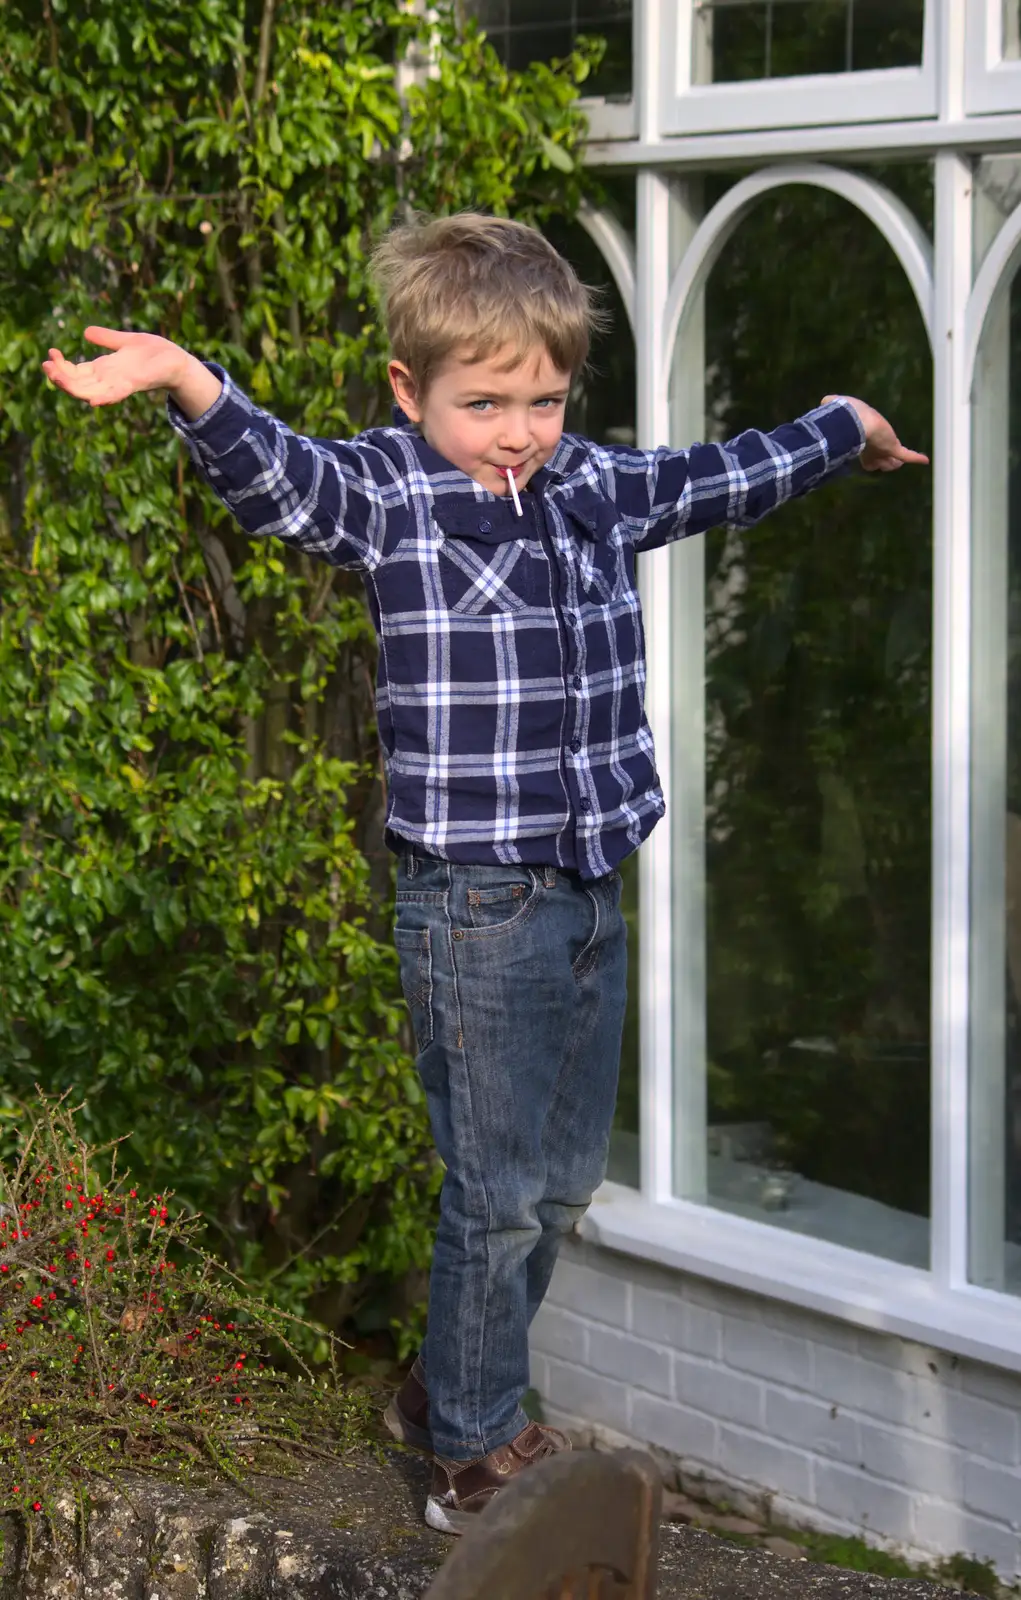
[124, 1343]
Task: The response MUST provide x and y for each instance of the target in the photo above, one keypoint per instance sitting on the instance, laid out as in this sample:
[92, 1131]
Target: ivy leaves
[194, 892]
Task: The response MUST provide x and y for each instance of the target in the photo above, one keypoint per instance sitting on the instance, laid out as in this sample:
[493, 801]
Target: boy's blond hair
[480, 284]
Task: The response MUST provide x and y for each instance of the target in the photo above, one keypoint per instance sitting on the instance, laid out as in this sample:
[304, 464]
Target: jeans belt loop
[410, 861]
[550, 877]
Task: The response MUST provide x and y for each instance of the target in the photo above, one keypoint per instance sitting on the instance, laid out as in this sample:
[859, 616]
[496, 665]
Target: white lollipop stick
[514, 490]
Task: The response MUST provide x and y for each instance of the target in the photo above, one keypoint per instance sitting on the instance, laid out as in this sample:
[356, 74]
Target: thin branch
[54, 41]
[213, 612]
[229, 299]
[321, 598]
[293, 313]
[188, 610]
[265, 51]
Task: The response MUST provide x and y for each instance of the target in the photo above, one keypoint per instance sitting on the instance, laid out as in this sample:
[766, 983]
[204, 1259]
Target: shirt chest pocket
[602, 570]
[605, 563]
[489, 560]
[479, 579]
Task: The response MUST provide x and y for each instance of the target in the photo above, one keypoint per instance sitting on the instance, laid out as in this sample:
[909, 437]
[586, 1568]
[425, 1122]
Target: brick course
[836, 1428]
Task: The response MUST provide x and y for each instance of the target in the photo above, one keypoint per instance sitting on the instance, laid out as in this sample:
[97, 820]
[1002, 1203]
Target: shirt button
[586, 805]
[574, 746]
[576, 680]
[485, 527]
[570, 618]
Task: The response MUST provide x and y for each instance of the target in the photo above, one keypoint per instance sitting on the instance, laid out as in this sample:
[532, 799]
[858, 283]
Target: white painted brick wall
[825, 1425]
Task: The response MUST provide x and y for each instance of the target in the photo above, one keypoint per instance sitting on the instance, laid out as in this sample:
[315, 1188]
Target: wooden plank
[579, 1526]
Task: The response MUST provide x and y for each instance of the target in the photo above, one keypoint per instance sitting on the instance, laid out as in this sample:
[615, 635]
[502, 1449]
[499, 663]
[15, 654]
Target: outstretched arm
[666, 494]
[139, 362]
[344, 503]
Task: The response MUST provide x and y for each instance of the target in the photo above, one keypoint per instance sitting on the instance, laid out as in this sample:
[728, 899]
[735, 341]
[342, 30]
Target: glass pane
[1011, 29]
[602, 407]
[818, 752]
[523, 31]
[625, 1166]
[997, 193]
[995, 1110]
[754, 39]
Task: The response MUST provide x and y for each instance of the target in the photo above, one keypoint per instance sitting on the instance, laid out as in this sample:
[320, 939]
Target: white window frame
[611, 120]
[959, 289]
[993, 83]
[693, 106]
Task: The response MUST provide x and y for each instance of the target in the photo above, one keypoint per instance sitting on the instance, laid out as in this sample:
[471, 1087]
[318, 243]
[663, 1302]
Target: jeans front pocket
[415, 954]
[496, 905]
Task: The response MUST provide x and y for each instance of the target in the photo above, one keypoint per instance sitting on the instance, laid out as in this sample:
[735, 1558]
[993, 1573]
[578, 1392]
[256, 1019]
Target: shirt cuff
[220, 428]
[841, 427]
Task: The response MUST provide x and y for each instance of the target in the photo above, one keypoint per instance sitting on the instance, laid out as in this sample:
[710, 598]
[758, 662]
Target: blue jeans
[515, 978]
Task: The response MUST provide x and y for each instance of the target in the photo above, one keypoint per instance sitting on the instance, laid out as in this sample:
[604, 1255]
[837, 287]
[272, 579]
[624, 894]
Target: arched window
[827, 200]
[811, 692]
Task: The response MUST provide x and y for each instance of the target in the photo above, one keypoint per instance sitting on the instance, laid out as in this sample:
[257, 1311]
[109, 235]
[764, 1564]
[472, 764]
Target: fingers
[77, 380]
[109, 338]
[82, 381]
[894, 460]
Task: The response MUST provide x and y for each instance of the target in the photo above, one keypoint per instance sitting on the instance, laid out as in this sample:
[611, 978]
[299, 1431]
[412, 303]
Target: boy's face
[484, 417]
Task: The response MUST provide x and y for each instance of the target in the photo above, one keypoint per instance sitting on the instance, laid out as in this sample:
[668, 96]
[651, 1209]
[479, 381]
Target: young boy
[498, 557]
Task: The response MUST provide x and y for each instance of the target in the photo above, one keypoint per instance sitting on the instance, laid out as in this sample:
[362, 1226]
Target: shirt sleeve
[331, 500]
[665, 494]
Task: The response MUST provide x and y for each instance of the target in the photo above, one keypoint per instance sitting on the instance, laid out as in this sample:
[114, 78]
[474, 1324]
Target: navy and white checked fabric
[512, 659]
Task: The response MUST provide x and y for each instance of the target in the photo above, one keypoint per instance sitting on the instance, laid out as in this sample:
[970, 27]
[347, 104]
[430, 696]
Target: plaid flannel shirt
[512, 658]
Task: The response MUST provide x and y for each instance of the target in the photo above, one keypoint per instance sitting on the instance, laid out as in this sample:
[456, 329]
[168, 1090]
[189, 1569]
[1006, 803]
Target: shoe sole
[447, 1519]
[406, 1432]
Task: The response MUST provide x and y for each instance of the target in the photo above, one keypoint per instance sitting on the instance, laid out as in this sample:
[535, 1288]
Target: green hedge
[193, 889]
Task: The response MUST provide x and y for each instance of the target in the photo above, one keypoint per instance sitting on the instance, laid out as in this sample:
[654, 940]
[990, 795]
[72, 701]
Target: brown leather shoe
[407, 1415]
[461, 1489]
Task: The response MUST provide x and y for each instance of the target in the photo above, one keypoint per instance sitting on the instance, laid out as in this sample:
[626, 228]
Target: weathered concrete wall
[340, 1530]
[348, 1531]
[840, 1429]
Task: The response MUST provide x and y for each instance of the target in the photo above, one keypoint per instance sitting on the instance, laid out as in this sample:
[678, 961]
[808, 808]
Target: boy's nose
[515, 436]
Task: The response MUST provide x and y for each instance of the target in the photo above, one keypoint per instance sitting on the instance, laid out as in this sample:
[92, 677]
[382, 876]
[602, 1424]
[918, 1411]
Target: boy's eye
[548, 404]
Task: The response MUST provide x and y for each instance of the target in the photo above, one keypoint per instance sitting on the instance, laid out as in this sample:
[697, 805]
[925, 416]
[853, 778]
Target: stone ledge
[340, 1531]
[347, 1530]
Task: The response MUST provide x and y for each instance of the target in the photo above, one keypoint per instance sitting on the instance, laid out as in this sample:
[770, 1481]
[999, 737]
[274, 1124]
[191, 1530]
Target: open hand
[139, 362]
[883, 450]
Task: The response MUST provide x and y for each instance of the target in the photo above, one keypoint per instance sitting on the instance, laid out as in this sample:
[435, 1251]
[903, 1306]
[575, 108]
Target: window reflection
[752, 39]
[1011, 1107]
[523, 31]
[818, 752]
[995, 1097]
